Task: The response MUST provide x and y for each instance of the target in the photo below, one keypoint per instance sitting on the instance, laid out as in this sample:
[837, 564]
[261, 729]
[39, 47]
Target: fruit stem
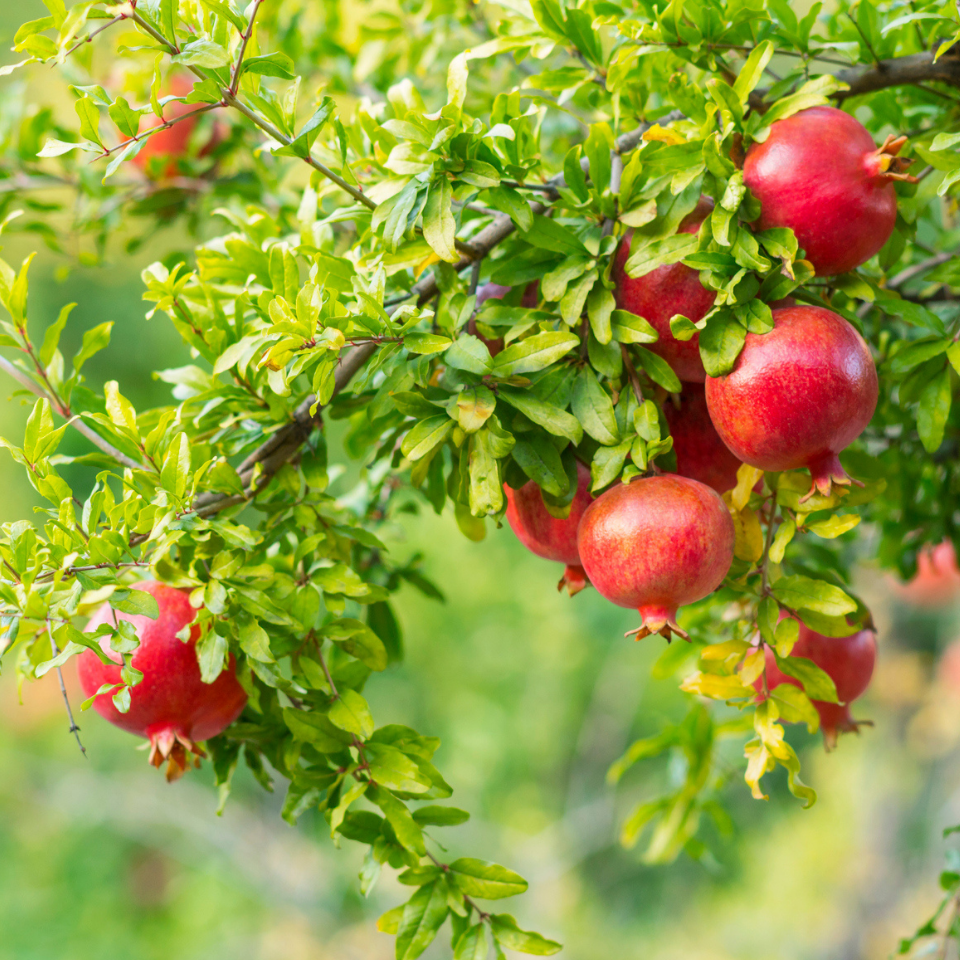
[574, 579]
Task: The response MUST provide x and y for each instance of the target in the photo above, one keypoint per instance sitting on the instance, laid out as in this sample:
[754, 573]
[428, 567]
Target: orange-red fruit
[547, 536]
[820, 173]
[848, 661]
[171, 706]
[937, 580]
[797, 395]
[171, 143]
[701, 454]
[665, 292]
[656, 544]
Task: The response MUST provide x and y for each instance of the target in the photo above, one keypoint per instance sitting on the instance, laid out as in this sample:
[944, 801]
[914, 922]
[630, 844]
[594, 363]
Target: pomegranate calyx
[172, 746]
[824, 474]
[847, 725]
[574, 579]
[658, 620]
[885, 161]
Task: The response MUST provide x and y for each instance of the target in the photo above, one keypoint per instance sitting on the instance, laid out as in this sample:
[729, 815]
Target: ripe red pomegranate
[546, 536]
[664, 292]
[172, 707]
[937, 581]
[701, 454]
[171, 143]
[656, 544]
[820, 173]
[797, 395]
[848, 661]
[497, 291]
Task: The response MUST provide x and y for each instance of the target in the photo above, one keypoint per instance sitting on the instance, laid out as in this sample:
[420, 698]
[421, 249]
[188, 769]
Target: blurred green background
[533, 695]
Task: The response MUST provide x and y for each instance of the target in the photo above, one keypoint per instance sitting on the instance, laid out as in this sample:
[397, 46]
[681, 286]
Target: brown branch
[284, 444]
[900, 71]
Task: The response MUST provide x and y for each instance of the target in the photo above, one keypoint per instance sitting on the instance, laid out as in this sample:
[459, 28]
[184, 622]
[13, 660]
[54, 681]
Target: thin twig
[906, 275]
[245, 39]
[160, 126]
[74, 729]
[89, 37]
[75, 421]
[631, 373]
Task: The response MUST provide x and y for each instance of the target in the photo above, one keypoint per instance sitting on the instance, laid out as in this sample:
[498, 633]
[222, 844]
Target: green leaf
[351, 713]
[555, 421]
[540, 461]
[607, 464]
[425, 343]
[629, 328]
[592, 406]
[534, 353]
[270, 65]
[834, 526]
[509, 935]
[933, 410]
[490, 881]
[202, 53]
[469, 353]
[315, 729]
[720, 343]
[89, 116]
[803, 593]
[426, 435]
[473, 944]
[817, 684]
[136, 603]
[357, 639]
[437, 816]
[422, 917]
[439, 227]
[752, 70]
[658, 370]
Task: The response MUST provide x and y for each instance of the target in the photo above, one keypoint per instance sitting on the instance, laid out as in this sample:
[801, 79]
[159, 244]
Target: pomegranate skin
[797, 395]
[664, 292]
[701, 454]
[848, 661]
[171, 707]
[657, 544]
[820, 173]
[937, 580]
[547, 536]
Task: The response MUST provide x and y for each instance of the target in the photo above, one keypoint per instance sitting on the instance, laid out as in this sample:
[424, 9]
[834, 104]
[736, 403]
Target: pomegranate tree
[171, 706]
[701, 454]
[547, 536]
[820, 173]
[797, 395]
[497, 291]
[665, 292]
[656, 544]
[848, 661]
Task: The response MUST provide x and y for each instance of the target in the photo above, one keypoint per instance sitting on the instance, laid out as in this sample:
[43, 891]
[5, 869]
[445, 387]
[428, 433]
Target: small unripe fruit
[820, 173]
[546, 535]
[665, 292]
[797, 395]
[656, 544]
[171, 706]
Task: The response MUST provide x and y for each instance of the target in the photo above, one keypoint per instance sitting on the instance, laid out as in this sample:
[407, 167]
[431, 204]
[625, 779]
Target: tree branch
[284, 444]
[244, 40]
[76, 422]
[915, 68]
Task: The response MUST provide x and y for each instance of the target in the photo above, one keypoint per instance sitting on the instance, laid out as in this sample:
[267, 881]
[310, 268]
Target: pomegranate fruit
[171, 143]
[656, 544]
[663, 293]
[848, 661]
[797, 395]
[937, 580]
[171, 706]
[820, 173]
[547, 536]
[701, 454]
[497, 291]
